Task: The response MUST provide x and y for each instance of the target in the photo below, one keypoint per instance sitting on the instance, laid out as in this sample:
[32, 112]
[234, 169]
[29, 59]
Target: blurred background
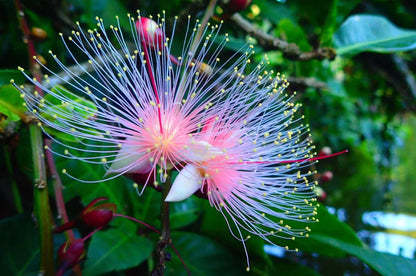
[352, 65]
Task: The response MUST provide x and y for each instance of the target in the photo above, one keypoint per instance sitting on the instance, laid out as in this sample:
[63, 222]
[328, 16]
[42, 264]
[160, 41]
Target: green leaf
[215, 226]
[7, 74]
[294, 34]
[72, 108]
[203, 256]
[383, 263]
[11, 104]
[184, 213]
[116, 249]
[374, 33]
[19, 246]
[328, 225]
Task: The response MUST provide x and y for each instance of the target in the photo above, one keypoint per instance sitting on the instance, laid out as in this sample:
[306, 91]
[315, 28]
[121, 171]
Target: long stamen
[152, 79]
[291, 161]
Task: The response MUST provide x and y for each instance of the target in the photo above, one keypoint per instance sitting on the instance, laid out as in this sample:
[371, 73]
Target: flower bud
[70, 254]
[327, 176]
[100, 215]
[39, 33]
[325, 151]
[238, 5]
[320, 193]
[150, 33]
[92, 216]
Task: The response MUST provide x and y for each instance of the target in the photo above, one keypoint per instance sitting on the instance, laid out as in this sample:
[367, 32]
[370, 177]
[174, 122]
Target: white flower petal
[130, 159]
[201, 151]
[188, 181]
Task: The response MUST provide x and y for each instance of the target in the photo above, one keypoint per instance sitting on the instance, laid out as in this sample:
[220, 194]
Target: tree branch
[290, 50]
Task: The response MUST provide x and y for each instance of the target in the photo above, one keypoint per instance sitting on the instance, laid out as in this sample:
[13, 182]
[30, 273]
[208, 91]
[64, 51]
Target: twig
[404, 69]
[304, 82]
[290, 50]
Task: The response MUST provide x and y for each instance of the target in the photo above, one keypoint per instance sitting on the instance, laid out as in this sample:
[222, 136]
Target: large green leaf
[384, 263]
[184, 213]
[11, 104]
[7, 74]
[328, 225]
[72, 108]
[374, 33]
[19, 245]
[116, 249]
[203, 256]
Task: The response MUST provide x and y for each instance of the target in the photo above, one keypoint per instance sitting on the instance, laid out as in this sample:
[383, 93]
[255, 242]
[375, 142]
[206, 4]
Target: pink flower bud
[150, 33]
[70, 254]
[327, 176]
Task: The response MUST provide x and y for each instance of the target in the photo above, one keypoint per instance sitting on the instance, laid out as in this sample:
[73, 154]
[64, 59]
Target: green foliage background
[363, 101]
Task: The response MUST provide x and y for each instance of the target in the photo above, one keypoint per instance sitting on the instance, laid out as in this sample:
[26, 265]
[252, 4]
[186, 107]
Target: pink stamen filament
[152, 79]
[291, 161]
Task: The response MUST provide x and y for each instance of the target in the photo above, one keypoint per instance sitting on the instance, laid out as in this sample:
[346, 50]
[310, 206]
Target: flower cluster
[222, 121]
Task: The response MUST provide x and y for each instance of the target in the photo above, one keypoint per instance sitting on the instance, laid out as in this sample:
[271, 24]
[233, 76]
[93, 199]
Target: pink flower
[226, 126]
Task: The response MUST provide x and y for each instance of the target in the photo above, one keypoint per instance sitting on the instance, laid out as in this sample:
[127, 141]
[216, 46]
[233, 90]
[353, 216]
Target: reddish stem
[59, 198]
[138, 221]
[152, 80]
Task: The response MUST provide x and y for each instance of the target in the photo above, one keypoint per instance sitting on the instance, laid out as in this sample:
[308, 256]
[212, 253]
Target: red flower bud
[92, 216]
[150, 33]
[327, 176]
[325, 151]
[100, 215]
[70, 254]
[238, 5]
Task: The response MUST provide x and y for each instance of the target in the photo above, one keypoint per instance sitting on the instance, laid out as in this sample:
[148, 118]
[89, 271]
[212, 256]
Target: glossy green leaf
[19, 245]
[7, 74]
[294, 34]
[116, 249]
[71, 109]
[328, 225]
[203, 256]
[383, 263]
[184, 213]
[215, 226]
[374, 33]
[11, 104]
